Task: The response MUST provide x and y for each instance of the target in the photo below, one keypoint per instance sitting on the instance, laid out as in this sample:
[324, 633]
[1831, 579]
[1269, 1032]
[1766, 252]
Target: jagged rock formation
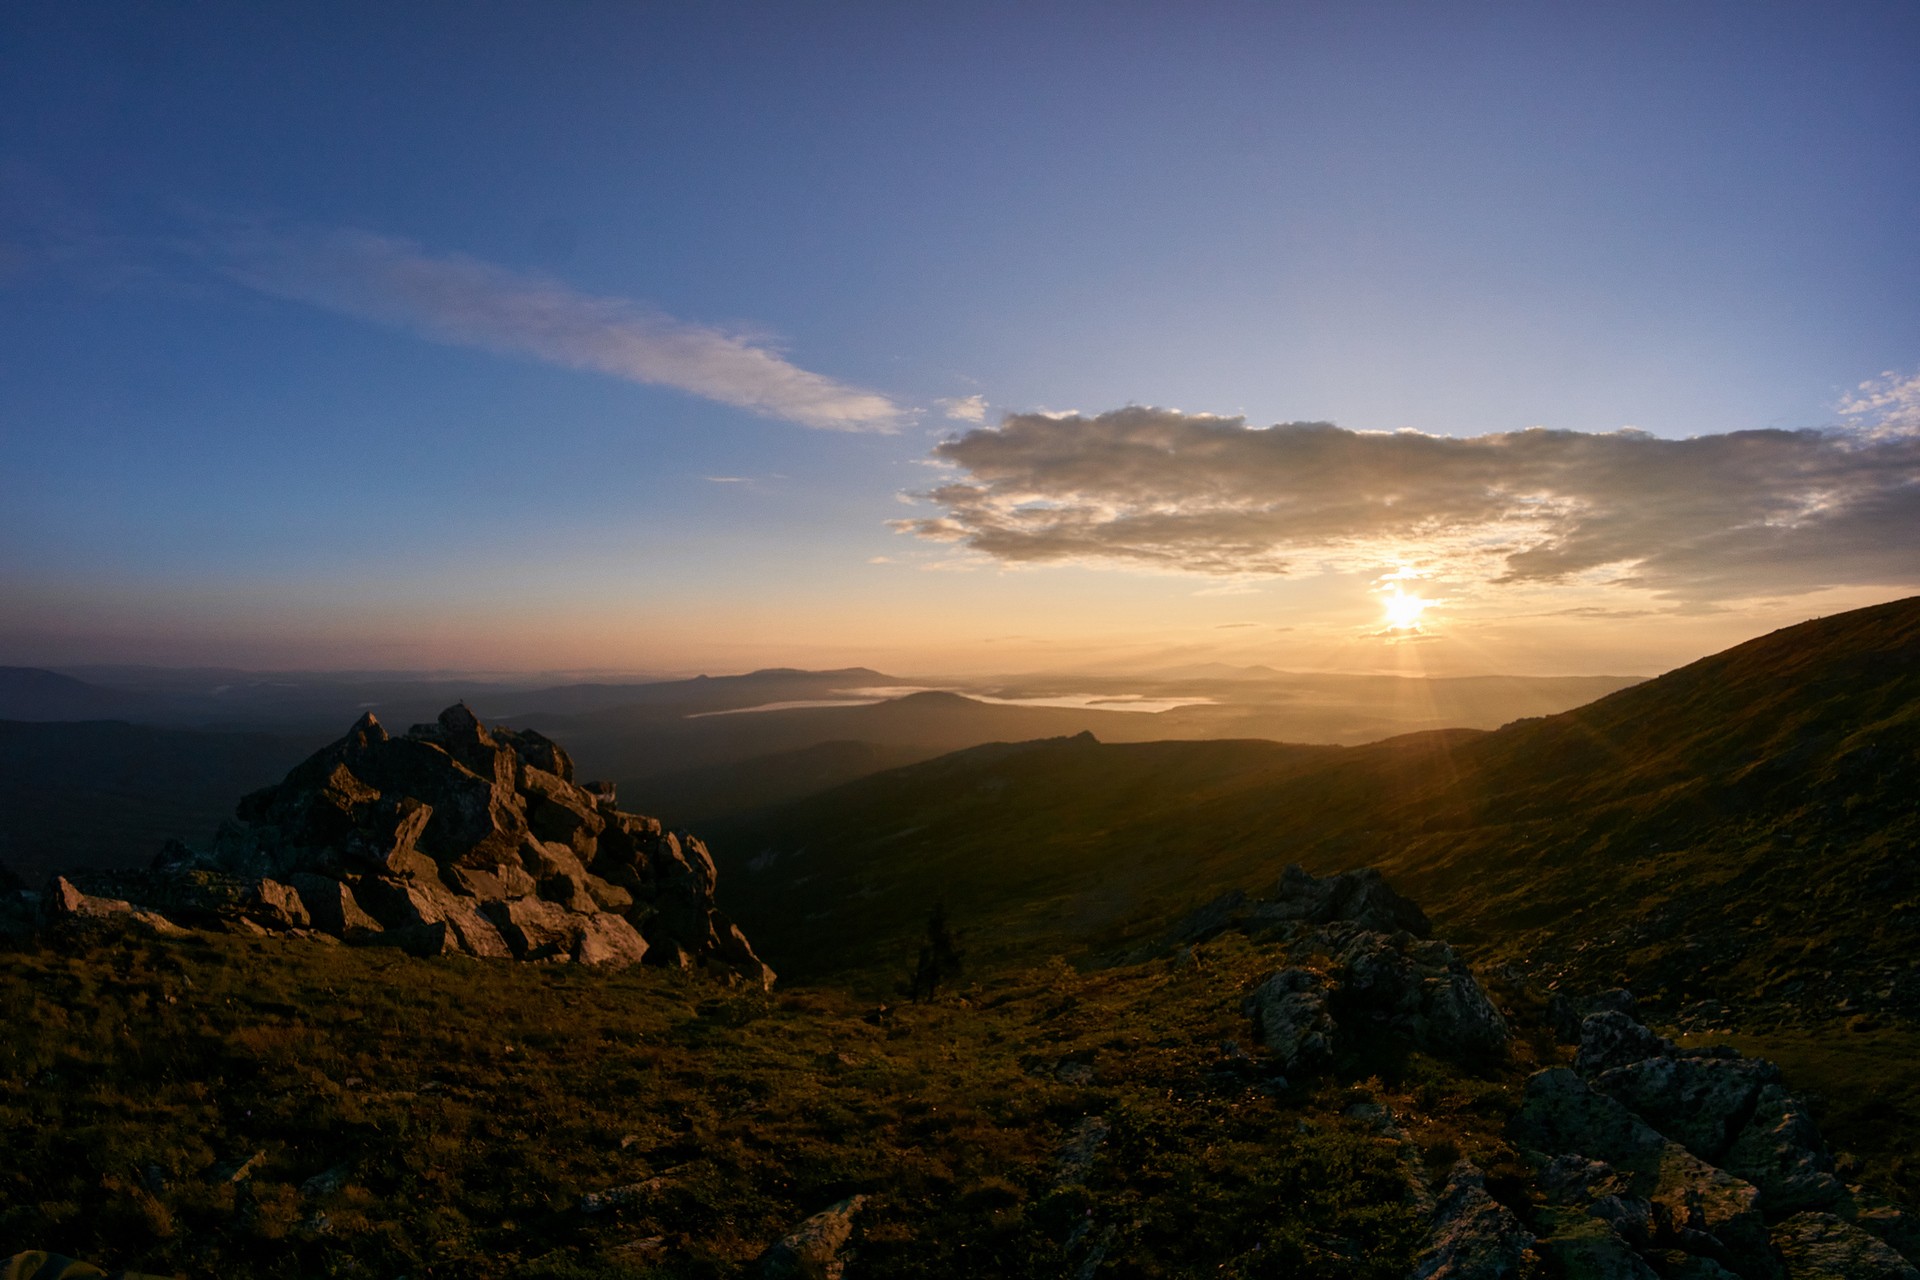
[454, 838]
[1655, 1159]
[1364, 966]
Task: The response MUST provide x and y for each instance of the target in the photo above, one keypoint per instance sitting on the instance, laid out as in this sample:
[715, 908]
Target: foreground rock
[1362, 971]
[454, 838]
[816, 1249]
[1473, 1236]
[1653, 1158]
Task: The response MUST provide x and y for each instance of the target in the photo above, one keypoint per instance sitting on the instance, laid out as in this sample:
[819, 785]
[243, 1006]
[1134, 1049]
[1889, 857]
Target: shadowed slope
[1747, 809]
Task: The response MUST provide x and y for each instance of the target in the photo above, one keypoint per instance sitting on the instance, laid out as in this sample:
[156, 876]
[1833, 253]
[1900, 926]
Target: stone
[279, 904]
[1074, 1159]
[1576, 1180]
[1895, 1226]
[1290, 1017]
[605, 938]
[1581, 1247]
[1358, 897]
[1701, 1103]
[816, 1249]
[1611, 1039]
[331, 905]
[1706, 1209]
[534, 929]
[1820, 1246]
[328, 1181]
[1212, 919]
[1419, 988]
[1473, 1236]
[1780, 1150]
[560, 812]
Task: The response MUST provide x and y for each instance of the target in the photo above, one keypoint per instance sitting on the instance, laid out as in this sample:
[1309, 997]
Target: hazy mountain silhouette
[1756, 803]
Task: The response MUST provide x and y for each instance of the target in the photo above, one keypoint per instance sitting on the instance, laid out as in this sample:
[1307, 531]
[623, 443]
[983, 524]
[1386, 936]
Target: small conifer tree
[940, 957]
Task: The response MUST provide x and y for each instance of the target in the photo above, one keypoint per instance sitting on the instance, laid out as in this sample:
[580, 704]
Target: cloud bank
[466, 302]
[1713, 517]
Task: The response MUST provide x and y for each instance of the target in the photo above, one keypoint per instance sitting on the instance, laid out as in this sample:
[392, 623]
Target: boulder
[1290, 1017]
[1894, 1226]
[1780, 1150]
[1359, 897]
[1701, 1103]
[331, 906]
[1611, 1039]
[816, 1249]
[279, 905]
[535, 929]
[605, 938]
[1418, 988]
[1695, 1206]
[1820, 1246]
[1473, 1236]
[1580, 1246]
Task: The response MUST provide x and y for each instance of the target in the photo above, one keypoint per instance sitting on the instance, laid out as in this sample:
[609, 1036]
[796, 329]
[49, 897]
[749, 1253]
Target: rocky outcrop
[1359, 897]
[1658, 1159]
[455, 838]
[1473, 1236]
[1820, 1246]
[1290, 1017]
[1356, 977]
[816, 1249]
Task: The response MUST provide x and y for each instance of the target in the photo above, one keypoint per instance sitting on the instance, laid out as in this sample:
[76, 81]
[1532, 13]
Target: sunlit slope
[1732, 828]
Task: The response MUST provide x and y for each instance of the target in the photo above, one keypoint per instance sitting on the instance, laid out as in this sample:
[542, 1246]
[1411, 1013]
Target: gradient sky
[648, 337]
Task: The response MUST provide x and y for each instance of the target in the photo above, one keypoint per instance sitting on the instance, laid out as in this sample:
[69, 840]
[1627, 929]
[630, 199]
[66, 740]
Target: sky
[1437, 337]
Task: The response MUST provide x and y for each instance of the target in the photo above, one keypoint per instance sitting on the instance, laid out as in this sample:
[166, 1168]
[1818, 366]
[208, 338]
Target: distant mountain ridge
[34, 694]
[698, 750]
[1752, 805]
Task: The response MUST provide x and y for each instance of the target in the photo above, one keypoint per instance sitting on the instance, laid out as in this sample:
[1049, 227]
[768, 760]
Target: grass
[464, 1108]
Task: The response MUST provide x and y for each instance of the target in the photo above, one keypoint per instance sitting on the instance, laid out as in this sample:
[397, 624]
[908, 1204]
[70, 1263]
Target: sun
[1403, 610]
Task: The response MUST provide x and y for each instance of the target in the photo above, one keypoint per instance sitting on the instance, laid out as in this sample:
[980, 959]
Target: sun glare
[1403, 610]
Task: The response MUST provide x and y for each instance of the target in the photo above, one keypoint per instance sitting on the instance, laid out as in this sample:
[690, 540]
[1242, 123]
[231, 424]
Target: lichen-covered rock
[1581, 1246]
[1780, 1150]
[1473, 1236]
[816, 1249]
[1701, 1103]
[1695, 1207]
[1417, 988]
[1561, 1115]
[1611, 1039]
[1820, 1246]
[1359, 897]
[1290, 1017]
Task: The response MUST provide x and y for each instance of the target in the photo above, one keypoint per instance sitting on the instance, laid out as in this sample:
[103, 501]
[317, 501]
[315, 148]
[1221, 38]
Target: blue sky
[607, 335]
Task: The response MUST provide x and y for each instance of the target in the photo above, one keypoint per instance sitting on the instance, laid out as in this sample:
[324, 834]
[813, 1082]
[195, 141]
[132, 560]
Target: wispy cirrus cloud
[1712, 517]
[460, 300]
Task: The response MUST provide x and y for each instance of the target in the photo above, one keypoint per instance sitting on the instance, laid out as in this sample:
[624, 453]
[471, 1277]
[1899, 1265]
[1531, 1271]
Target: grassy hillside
[449, 1118]
[1742, 829]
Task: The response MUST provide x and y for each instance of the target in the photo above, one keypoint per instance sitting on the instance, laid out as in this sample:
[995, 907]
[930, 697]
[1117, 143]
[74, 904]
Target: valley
[1149, 1052]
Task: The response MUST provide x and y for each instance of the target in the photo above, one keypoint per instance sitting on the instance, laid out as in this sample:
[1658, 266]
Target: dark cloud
[1716, 516]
